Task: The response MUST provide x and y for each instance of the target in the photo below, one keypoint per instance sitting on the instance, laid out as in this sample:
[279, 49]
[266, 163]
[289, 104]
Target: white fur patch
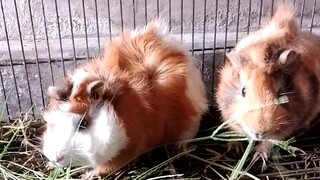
[79, 76]
[134, 33]
[91, 85]
[100, 142]
[257, 36]
[160, 25]
[58, 136]
[196, 92]
[249, 132]
[65, 107]
[110, 137]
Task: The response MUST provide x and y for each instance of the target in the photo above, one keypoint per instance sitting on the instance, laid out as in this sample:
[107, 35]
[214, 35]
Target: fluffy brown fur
[145, 79]
[274, 63]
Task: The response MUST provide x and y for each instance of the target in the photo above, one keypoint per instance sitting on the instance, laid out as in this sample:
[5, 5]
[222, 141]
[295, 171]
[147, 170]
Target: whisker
[276, 102]
[281, 117]
[80, 157]
[286, 93]
[75, 158]
[278, 129]
[283, 123]
[281, 130]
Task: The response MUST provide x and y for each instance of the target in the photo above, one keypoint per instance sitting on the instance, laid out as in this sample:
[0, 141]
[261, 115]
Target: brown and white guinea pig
[269, 85]
[143, 92]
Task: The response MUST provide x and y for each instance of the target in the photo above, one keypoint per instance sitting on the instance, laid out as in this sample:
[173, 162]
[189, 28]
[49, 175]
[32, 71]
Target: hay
[206, 158]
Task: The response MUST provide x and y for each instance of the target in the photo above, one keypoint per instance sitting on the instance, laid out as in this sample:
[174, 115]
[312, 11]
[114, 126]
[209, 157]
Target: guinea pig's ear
[62, 91]
[235, 60]
[57, 93]
[289, 61]
[101, 90]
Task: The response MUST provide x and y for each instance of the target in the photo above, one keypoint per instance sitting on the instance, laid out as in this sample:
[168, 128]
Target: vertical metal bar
[158, 8]
[181, 19]
[313, 13]
[109, 21]
[97, 24]
[192, 41]
[226, 30]
[134, 13]
[272, 4]
[145, 12]
[23, 55]
[214, 48]
[72, 37]
[204, 35]
[170, 15]
[215, 30]
[36, 53]
[60, 40]
[121, 15]
[10, 55]
[302, 11]
[85, 28]
[238, 21]
[4, 94]
[47, 40]
[260, 13]
[249, 17]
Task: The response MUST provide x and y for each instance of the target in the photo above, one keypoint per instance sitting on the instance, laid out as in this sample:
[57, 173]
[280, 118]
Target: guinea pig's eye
[243, 91]
[83, 124]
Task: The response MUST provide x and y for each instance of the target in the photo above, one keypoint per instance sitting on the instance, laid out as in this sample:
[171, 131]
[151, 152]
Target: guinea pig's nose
[253, 134]
[256, 136]
[259, 136]
[56, 162]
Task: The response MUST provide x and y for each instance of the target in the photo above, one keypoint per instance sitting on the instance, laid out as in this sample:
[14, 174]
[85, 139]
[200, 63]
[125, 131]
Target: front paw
[50, 165]
[90, 175]
[235, 145]
[262, 151]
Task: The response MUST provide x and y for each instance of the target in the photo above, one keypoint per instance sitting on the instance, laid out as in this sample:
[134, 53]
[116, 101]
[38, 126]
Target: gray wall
[90, 22]
[79, 22]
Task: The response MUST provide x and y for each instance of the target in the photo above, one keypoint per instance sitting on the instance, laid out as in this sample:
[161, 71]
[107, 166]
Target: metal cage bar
[72, 36]
[47, 42]
[11, 62]
[60, 40]
[36, 54]
[23, 55]
[65, 33]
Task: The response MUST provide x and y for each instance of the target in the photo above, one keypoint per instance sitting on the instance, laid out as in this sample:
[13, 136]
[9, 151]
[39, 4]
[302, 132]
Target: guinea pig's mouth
[243, 129]
[68, 161]
[53, 164]
[251, 133]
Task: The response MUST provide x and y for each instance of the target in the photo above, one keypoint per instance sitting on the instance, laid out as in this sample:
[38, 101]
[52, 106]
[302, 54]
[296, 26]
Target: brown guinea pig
[269, 85]
[143, 92]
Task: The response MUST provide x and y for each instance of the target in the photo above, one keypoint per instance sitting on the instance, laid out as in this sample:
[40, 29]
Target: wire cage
[41, 40]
